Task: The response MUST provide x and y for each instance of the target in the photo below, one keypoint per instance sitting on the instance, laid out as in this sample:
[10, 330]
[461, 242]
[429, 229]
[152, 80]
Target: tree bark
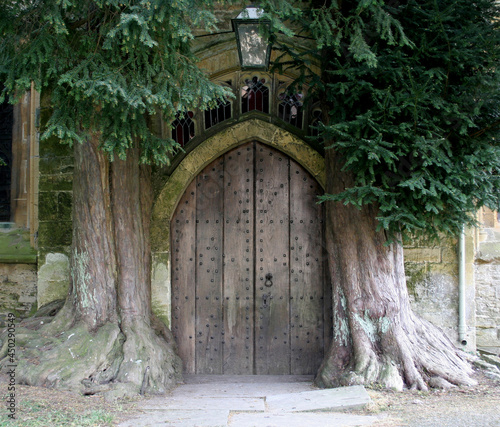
[377, 338]
[149, 358]
[93, 281]
[105, 338]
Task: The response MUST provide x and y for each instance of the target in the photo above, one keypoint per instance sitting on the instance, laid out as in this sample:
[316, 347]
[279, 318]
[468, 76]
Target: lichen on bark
[377, 338]
[105, 338]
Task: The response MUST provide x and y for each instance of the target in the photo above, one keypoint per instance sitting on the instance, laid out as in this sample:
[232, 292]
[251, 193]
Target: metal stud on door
[272, 352]
[247, 267]
[239, 270]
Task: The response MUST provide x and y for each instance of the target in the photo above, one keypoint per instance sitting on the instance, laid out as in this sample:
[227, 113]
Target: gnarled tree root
[110, 360]
[415, 358]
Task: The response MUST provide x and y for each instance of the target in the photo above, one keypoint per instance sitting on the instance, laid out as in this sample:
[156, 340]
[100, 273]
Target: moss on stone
[55, 205]
[415, 274]
[64, 205]
[15, 247]
[58, 182]
[47, 206]
[53, 165]
[55, 233]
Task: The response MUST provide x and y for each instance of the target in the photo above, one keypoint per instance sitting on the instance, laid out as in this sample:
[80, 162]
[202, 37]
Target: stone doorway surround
[206, 152]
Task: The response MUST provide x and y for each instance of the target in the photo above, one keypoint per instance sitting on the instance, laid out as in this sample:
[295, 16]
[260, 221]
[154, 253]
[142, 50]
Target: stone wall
[488, 305]
[55, 226]
[432, 280]
[487, 273]
[18, 273]
[18, 290]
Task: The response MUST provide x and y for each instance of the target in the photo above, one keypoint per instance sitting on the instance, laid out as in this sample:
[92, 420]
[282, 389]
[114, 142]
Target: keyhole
[265, 297]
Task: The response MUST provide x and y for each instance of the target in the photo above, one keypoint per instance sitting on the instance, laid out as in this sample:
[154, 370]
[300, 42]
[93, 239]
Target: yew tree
[106, 69]
[410, 99]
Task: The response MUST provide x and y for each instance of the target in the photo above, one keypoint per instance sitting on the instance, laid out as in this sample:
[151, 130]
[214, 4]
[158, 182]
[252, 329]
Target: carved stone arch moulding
[194, 162]
[214, 147]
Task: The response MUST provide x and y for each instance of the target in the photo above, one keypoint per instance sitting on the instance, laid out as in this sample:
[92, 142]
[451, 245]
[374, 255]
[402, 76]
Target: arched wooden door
[247, 267]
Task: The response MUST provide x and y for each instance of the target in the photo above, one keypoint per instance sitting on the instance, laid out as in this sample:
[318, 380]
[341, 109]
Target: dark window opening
[316, 121]
[290, 109]
[218, 114]
[255, 96]
[6, 123]
[183, 128]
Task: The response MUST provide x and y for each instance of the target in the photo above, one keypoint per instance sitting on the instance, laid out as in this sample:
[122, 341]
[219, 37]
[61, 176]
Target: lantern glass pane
[251, 12]
[253, 46]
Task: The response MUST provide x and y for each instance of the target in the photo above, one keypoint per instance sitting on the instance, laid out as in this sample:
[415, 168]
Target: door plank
[272, 344]
[209, 240]
[306, 273]
[183, 242]
[250, 213]
[238, 260]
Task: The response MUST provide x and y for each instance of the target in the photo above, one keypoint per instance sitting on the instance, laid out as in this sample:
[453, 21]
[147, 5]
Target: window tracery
[183, 127]
[316, 121]
[290, 108]
[255, 95]
[261, 92]
[217, 114]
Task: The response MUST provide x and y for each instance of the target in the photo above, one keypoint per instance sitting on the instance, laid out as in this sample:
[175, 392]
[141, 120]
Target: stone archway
[209, 150]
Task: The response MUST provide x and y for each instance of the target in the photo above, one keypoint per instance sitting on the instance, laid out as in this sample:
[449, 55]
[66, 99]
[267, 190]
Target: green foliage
[411, 88]
[413, 99]
[108, 65]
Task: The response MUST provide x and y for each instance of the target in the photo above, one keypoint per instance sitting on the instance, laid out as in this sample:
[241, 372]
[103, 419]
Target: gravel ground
[477, 406]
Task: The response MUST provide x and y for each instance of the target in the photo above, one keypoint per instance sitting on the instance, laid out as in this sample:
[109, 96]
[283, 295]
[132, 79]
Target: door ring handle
[269, 281]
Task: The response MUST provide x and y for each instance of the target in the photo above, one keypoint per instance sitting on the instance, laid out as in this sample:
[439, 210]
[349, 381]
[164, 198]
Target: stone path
[248, 401]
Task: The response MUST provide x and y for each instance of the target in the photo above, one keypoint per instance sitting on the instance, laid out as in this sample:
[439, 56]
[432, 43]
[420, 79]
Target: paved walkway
[248, 401]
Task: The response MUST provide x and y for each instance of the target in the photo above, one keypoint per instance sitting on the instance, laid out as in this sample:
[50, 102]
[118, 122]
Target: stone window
[488, 218]
[183, 127]
[19, 175]
[316, 119]
[255, 95]
[290, 109]
[6, 123]
[218, 114]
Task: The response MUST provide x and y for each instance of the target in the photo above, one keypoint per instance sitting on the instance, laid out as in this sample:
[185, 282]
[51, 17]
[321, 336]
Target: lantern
[253, 49]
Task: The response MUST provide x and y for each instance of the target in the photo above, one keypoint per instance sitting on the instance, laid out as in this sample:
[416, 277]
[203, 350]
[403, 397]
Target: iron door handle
[269, 281]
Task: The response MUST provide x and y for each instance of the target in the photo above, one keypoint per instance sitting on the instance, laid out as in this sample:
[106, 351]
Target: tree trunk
[377, 338]
[93, 290]
[105, 337]
[149, 359]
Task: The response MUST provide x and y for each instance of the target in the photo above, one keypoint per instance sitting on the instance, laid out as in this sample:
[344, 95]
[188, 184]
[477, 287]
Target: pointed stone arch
[194, 162]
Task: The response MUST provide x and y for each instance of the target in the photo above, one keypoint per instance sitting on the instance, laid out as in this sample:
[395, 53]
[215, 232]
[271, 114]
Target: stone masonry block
[47, 206]
[59, 182]
[53, 278]
[56, 233]
[422, 255]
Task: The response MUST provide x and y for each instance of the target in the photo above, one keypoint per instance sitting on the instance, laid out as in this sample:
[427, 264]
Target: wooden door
[248, 282]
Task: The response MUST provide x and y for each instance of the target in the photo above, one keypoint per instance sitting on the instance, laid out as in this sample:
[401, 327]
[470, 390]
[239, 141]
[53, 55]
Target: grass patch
[41, 414]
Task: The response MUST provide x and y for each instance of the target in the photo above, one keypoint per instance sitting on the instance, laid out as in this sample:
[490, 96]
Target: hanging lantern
[253, 49]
